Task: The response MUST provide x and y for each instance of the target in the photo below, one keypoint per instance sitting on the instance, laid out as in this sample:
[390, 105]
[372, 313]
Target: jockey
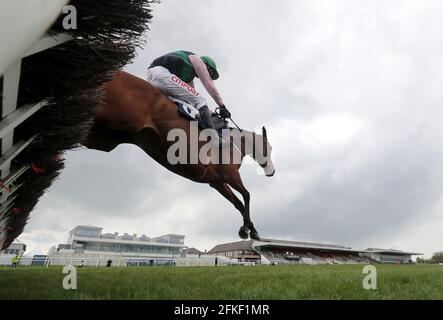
[174, 74]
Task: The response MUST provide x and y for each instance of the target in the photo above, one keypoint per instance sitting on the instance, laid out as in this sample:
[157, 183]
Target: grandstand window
[83, 232]
[125, 248]
[109, 247]
[92, 246]
[163, 250]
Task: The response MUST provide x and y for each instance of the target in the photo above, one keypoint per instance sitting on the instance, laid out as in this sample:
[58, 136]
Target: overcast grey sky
[350, 92]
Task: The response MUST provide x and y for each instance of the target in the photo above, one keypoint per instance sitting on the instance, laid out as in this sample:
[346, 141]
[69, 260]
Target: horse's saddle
[191, 113]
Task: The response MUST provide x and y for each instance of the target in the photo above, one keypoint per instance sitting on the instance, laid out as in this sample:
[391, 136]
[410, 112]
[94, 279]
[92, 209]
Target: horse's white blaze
[269, 169]
[23, 22]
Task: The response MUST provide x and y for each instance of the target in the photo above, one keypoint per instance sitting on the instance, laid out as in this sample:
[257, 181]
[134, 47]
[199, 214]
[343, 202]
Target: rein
[217, 111]
[241, 130]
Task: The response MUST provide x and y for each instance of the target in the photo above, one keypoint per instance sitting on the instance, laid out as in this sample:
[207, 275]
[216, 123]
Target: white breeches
[173, 86]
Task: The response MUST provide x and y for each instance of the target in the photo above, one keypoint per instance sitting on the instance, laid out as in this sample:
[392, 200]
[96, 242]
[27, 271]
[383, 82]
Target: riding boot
[207, 117]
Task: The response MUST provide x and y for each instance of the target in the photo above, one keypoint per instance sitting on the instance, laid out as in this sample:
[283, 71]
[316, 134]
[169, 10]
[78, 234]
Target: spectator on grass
[15, 261]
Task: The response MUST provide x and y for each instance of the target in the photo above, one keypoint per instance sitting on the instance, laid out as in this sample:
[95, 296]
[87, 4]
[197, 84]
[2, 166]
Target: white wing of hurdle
[23, 22]
[13, 115]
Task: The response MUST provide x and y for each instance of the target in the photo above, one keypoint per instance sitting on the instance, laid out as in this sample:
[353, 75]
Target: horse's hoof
[243, 233]
[254, 235]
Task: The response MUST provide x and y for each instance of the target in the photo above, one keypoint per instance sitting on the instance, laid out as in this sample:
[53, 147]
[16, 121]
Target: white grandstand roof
[171, 234]
[305, 245]
[392, 251]
[88, 226]
[128, 241]
[254, 244]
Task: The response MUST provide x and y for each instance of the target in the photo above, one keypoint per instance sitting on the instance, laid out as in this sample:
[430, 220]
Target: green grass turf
[235, 282]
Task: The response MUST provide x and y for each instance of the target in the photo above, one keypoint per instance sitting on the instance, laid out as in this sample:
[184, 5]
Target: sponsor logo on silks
[183, 84]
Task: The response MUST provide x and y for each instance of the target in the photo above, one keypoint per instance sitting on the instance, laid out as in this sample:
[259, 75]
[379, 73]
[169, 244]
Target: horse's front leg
[237, 184]
[226, 192]
[247, 221]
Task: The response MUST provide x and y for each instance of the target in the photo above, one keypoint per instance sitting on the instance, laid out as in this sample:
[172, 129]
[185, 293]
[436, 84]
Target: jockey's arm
[205, 78]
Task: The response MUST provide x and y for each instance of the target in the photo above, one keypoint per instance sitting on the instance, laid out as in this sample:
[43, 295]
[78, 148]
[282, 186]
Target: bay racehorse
[137, 113]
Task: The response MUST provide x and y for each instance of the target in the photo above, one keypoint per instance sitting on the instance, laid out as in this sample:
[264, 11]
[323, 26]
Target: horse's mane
[244, 130]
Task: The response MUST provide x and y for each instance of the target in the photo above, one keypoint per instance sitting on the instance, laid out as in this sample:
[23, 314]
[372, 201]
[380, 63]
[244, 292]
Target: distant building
[88, 243]
[16, 248]
[192, 252]
[38, 260]
[241, 251]
[390, 255]
[273, 251]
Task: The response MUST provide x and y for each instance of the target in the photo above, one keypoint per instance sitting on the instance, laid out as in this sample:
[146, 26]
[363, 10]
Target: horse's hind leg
[226, 192]
[104, 139]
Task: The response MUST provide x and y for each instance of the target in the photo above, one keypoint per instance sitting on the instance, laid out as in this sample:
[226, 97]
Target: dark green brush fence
[70, 77]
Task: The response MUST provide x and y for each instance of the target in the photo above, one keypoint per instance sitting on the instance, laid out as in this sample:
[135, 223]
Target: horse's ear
[264, 132]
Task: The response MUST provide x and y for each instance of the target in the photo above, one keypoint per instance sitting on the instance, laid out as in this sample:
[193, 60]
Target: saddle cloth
[190, 112]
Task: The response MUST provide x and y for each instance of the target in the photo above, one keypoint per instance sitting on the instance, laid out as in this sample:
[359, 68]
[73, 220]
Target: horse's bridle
[265, 150]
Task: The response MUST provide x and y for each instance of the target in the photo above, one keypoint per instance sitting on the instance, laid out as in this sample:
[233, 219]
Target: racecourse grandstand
[272, 251]
[17, 248]
[89, 246]
[390, 255]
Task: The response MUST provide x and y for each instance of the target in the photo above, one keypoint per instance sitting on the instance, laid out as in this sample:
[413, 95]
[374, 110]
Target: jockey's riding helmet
[212, 67]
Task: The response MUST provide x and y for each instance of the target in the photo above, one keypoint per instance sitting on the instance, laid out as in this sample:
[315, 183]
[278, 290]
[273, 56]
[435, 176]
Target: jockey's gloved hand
[224, 112]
